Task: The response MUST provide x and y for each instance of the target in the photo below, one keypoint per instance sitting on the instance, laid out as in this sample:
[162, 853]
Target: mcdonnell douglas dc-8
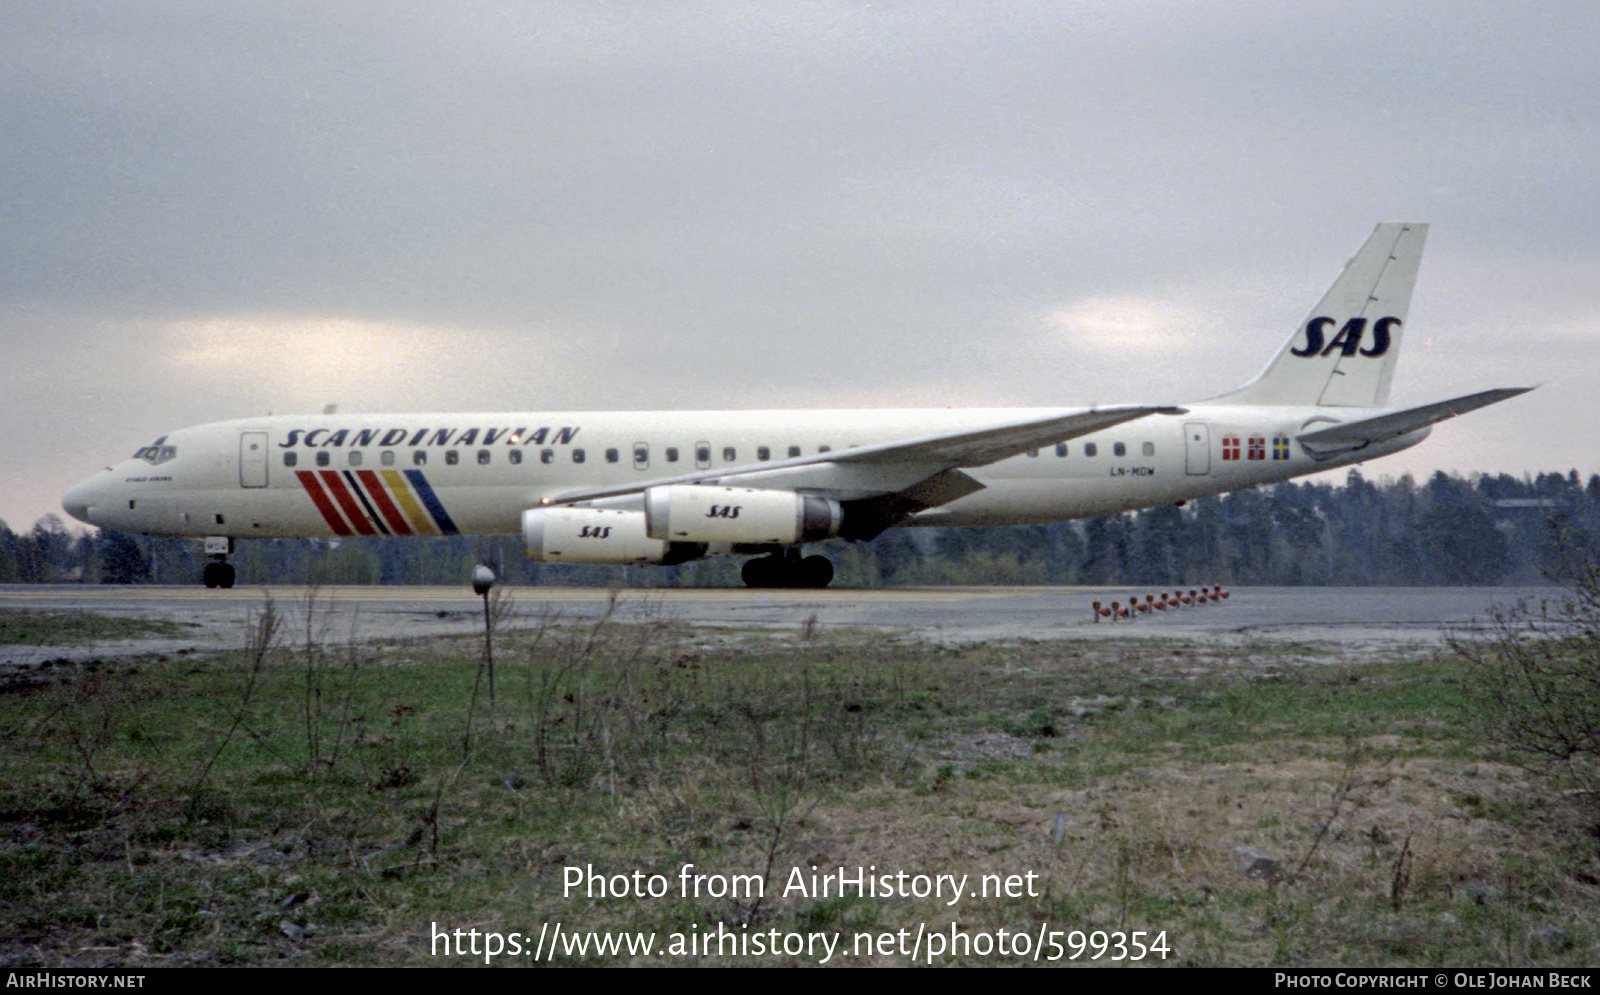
[665, 487]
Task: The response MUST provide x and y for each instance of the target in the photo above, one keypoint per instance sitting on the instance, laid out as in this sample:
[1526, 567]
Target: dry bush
[1534, 685]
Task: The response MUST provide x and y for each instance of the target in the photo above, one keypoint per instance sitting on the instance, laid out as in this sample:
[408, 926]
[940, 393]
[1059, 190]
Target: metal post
[482, 584]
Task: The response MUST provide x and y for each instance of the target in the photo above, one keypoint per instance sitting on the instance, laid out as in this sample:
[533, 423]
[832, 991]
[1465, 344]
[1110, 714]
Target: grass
[25, 627]
[310, 802]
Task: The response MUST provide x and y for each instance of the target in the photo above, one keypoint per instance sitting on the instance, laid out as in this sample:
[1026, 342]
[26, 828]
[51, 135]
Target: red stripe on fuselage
[319, 497]
[347, 503]
[386, 506]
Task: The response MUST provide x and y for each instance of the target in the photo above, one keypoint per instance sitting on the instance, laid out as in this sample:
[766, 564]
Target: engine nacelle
[701, 513]
[596, 535]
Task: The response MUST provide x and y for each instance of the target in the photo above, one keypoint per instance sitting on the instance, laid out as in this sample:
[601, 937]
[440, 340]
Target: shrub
[1534, 684]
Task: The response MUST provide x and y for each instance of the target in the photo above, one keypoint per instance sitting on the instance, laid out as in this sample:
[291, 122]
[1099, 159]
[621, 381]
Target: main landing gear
[218, 572]
[787, 569]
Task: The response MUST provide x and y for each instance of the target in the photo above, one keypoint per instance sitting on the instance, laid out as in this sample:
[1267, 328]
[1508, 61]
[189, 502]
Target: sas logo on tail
[1348, 341]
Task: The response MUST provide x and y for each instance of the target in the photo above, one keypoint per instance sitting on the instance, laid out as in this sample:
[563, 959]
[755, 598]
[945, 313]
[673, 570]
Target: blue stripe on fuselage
[430, 500]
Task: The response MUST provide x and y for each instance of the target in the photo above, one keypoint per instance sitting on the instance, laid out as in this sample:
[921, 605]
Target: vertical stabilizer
[1343, 354]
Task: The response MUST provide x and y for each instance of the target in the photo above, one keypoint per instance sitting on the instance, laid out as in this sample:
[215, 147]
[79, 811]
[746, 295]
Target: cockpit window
[157, 452]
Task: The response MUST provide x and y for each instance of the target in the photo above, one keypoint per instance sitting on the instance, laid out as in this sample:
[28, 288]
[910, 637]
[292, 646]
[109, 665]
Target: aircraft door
[253, 459]
[1197, 448]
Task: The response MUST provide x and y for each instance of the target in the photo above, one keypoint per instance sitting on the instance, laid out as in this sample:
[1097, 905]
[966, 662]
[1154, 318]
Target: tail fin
[1344, 354]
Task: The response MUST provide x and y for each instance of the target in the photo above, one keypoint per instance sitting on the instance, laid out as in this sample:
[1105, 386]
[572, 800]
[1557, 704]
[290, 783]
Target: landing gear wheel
[218, 575]
[815, 571]
[787, 571]
[758, 572]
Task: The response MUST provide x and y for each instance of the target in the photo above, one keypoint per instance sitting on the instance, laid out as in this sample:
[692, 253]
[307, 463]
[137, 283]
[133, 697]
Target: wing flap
[1347, 437]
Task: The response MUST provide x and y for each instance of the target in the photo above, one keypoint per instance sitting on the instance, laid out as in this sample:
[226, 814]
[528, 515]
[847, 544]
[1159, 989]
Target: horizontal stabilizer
[1350, 436]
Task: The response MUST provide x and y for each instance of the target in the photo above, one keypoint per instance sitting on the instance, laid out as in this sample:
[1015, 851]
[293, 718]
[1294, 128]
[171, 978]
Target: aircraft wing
[982, 446]
[925, 468]
[1350, 436]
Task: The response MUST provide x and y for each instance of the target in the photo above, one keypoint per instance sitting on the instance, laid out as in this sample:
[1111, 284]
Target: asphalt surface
[218, 619]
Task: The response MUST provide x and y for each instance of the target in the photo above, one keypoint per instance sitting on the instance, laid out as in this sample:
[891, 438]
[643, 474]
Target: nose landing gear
[218, 572]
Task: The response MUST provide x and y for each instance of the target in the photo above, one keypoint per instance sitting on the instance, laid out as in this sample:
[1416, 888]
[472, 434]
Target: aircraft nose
[79, 502]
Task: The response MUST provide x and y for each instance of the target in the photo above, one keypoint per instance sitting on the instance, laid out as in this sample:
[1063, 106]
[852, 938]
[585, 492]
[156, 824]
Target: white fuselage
[431, 474]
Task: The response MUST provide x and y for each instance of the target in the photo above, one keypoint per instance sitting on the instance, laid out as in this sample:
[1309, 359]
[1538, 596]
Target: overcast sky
[213, 210]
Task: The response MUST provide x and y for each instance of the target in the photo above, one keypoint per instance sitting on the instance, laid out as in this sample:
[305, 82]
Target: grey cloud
[726, 204]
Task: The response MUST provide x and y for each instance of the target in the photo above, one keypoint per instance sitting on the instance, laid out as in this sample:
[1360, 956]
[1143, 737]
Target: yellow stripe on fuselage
[420, 520]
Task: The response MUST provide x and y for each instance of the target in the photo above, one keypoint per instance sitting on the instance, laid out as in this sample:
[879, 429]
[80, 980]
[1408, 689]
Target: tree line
[1451, 530]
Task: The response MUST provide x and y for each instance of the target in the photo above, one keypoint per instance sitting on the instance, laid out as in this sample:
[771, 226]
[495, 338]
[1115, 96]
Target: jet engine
[701, 513]
[596, 535]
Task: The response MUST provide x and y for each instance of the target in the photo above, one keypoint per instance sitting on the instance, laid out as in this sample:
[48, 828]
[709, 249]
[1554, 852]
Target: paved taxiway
[949, 614]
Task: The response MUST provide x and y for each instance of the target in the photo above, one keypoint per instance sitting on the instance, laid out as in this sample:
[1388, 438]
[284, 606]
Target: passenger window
[794, 451]
[824, 449]
[355, 457]
[1090, 449]
[641, 455]
[763, 453]
[672, 454]
[547, 455]
[483, 457]
[612, 456]
[451, 457]
[387, 459]
[323, 459]
[1061, 449]
[1149, 449]
[1033, 454]
[1118, 449]
[578, 456]
[728, 455]
[515, 456]
[290, 459]
[420, 457]
[702, 454]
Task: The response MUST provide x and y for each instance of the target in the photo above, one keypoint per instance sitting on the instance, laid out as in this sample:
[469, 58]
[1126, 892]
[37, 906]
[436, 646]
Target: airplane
[667, 487]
